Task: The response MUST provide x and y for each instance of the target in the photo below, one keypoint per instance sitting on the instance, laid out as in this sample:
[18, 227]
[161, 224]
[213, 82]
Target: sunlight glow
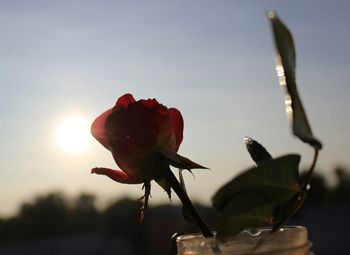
[73, 135]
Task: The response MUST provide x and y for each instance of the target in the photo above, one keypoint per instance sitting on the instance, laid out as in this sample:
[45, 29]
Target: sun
[73, 134]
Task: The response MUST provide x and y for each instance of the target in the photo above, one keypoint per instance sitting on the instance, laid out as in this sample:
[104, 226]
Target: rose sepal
[178, 161]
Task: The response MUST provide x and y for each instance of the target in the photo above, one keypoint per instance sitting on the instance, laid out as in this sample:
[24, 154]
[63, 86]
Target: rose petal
[98, 129]
[117, 175]
[125, 100]
[177, 124]
[131, 133]
[154, 105]
[149, 103]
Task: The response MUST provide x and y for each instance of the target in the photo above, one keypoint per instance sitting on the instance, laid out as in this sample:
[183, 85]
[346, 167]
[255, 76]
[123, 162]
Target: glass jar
[291, 240]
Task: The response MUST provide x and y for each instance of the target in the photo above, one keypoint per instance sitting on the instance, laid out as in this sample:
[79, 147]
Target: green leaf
[252, 198]
[286, 210]
[285, 66]
[257, 152]
[246, 210]
[276, 180]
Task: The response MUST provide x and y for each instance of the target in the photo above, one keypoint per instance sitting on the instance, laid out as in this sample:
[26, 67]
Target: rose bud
[134, 131]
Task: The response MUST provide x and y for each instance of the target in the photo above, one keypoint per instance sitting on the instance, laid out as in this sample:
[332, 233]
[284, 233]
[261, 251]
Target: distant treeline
[54, 214]
[321, 194]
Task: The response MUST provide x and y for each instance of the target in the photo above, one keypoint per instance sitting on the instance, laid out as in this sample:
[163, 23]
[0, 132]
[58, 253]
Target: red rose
[143, 137]
[132, 131]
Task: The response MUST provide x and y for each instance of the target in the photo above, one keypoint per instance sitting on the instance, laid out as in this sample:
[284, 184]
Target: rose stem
[188, 204]
[175, 185]
[310, 172]
[299, 198]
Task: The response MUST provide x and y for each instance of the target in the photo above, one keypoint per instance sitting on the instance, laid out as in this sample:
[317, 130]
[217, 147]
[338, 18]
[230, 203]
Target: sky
[212, 60]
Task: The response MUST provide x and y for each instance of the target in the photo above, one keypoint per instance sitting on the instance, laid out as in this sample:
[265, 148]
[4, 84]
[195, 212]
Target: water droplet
[248, 140]
[254, 231]
[271, 14]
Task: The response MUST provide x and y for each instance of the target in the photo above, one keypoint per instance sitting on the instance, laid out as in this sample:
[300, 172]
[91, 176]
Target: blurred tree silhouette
[53, 215]
[121, 219]
[319, 193]
[46, 216]
[84, 215]
[342, 190]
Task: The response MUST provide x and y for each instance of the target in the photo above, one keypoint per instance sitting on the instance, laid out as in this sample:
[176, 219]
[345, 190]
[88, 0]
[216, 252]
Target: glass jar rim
[251, 241]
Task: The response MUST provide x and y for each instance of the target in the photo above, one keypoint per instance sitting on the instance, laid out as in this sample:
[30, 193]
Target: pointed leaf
[276, 179]
[165, 185]
[285, 66]
[179, 161]
[257, 152]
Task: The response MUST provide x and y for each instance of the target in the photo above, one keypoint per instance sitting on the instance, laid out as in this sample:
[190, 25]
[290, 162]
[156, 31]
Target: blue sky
[213, 60]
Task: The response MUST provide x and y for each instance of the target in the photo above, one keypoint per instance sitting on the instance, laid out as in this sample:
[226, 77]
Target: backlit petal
[177, 124]
[125, 100]
[98, 129]
[117, 175]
